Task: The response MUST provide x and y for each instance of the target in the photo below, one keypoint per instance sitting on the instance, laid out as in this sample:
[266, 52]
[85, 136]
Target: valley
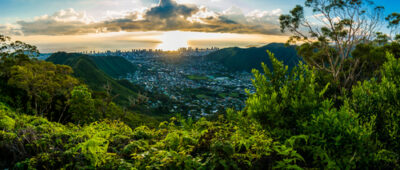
[195, 87]
[195, 82]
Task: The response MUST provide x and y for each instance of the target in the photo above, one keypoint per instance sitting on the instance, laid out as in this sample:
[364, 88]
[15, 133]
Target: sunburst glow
[174, 40]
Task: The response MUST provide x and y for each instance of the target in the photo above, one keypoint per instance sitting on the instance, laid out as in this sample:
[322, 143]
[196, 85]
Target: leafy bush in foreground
[293, 107]
[235, 143]
[284, 100]
[381, 100]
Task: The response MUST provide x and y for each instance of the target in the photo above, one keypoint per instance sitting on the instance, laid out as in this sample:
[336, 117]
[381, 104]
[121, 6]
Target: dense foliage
[230, 143]
[284, 100]
[361, 133]
[288, 123]
[379, 101]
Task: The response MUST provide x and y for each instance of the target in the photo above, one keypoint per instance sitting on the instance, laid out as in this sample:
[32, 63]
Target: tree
[381, 39]
[42, 81]
[82, 105]
[335, 30]
[13, 53]
[394, 24]
[373, 58]
[13, 49]
[108, 99]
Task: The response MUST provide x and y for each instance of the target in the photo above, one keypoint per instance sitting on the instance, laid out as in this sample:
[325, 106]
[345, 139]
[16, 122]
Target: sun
[173, 40]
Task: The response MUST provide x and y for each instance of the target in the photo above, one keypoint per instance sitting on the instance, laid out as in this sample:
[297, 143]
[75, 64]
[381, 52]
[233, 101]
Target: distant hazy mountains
[245, 59]
[98, 71]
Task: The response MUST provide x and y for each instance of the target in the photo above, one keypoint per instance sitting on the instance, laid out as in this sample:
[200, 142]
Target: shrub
[380, 99]
[336, 139]
[284, 100]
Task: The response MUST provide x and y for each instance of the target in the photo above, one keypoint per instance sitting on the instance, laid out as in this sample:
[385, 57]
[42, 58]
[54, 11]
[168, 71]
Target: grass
[234, 95]
[197, 77]
[202, 96]
[223, 95]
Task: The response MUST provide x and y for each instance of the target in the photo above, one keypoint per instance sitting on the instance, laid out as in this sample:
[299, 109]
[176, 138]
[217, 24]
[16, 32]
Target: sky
[85, 25]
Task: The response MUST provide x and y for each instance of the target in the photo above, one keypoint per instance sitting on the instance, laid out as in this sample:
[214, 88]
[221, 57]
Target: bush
[284, 100]
[380, 99]
[292, 106]
[6, 123]
[337, 140]
[231, 143]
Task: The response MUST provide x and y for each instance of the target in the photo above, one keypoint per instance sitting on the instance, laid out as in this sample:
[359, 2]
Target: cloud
[9, 29]
[64, 22]
[168, 15]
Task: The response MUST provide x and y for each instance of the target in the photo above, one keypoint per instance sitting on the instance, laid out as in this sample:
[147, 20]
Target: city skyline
[147, 24]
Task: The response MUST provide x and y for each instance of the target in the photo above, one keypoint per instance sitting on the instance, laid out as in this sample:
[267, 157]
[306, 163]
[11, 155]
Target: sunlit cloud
[168, 15]
[167, 25]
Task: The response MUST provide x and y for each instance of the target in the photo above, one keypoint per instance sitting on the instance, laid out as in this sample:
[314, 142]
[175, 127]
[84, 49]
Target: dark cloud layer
[169, 9]
[168, 15]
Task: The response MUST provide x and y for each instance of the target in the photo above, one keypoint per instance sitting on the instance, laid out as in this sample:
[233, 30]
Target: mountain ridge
[246, 59]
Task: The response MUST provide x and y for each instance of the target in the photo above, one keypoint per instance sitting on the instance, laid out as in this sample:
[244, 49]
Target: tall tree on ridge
[330, 35]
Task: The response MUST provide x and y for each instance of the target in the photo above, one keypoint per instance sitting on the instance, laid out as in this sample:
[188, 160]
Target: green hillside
[113, 65]
[86, 68]
[239, 59]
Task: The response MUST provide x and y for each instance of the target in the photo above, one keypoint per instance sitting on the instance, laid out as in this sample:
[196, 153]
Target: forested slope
[86, 68]
[113, 66]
